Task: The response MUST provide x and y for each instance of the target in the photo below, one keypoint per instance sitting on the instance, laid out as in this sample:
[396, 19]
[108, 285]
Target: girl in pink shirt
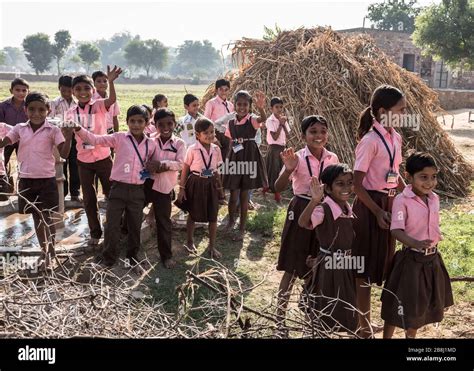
[200, 185]
[376, 179]
[333, 267]
[299, 168]
[418, 288]
[244, 157]
[37, 187]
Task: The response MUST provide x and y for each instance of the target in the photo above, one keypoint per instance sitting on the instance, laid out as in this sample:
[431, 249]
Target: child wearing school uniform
[241, 132]
[59, 108]
[376, 180]
[333, 270]
[93, 160]
[418, 288]
[150, 127]
[215, 110]
[299, 168]
[185, 128]
[159, 101]
[38, 192]
[4, 185]
[277, 132]
[101, 84]
[200, 184]
[133, 150]
[164, 167]
[12, 112]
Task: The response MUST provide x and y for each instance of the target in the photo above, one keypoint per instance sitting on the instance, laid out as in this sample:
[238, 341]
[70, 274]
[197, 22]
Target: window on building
[409, 62]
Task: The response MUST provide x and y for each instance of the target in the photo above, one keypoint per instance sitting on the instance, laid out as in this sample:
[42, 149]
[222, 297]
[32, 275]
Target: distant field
[127, 94]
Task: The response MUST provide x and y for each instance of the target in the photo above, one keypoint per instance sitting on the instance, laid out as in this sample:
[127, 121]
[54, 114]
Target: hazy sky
[220, 22]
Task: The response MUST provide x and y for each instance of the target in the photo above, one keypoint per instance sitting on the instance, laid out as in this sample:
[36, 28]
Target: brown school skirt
[42, 192]
[274, 164]
[375, 244]
[296, 242]
[326, 284]
[202, 201]
[421, 284]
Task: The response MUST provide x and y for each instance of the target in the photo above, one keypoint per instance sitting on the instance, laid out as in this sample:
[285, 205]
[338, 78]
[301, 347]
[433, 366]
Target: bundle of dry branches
[319, 71]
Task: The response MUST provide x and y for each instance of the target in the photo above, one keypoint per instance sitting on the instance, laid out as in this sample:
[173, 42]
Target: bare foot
[215, 254]
[239, 236]
[229, 227]
[169, 263]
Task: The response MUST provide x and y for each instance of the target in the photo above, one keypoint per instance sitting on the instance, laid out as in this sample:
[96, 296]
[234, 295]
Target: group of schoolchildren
[159, 154]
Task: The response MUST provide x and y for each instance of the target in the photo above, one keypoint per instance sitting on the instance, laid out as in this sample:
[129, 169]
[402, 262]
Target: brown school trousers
[87, 173]
[128, 198]
[162, 207]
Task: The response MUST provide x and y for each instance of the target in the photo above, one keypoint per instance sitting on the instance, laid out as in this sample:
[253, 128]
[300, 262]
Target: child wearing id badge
[133, 149]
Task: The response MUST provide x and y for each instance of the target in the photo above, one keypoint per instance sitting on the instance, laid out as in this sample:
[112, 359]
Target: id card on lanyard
[392, 176]
[207, 172]
[144, 173]
[89, 126]
[321, 165]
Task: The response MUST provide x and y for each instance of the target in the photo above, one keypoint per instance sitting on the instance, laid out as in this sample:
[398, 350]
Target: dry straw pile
[319, 71]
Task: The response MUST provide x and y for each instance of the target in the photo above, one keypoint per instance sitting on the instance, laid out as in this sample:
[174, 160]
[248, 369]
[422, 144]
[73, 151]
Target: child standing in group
[418, 288]
[185, 128]
[376, 180]
[159, 101]
[12, 112]
[150, 126]
[93, 160]
[277, 132]
[298, 243]
[244, 154]
[101, 84]
[215, 109]
[4, 184]
[59, 108]
[333, 273]
[38, 192]
[133, 149]
[200, 184]
[164, 167]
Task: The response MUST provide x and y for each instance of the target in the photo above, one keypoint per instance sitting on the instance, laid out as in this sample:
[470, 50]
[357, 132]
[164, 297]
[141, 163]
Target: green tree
[113, 49]
[446, 31]
[89, 54]
[147, 54]
[394, 15]
[38, 51]
[196, 59]
[62, 41]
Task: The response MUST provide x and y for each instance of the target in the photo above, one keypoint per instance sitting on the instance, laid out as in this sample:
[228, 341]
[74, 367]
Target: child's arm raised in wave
[112, 75]
[317, 193]
[260, 105]
[290, 161]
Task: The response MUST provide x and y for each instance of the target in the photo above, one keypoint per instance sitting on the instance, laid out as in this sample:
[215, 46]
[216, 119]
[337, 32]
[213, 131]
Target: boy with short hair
[101, 85]
[12, 112]
[185, 127]
[59, 108]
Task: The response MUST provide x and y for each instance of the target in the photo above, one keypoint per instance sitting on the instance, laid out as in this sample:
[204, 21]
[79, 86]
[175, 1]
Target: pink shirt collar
[46, 124]
[336, 209]
[325, 154]
[408, 192]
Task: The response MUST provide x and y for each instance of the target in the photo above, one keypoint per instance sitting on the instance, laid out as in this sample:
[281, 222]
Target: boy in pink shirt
[419, 281]
[93, 160]
[277, 132]
[101, 84]
[132, 151]
[215, 109]
[37, 174]
[164, 167]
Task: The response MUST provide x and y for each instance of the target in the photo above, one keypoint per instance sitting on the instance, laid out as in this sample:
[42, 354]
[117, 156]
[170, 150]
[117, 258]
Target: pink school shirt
[127, 164]
[35, 150]
[272, 124]
[4, 129]
[195, 161]
[253, 120]
[216, 108]
[301, 176]
[317, 216]
[95, 123]
[114, 110]
[373, 159]
[418, 220]
[172, 154]
[60, 107]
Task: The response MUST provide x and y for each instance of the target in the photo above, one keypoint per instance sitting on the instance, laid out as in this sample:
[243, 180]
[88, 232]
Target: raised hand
[317, 189]
[113, 73]
[259, 99]
[289, 158]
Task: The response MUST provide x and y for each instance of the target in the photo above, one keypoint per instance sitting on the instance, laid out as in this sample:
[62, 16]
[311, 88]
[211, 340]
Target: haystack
[319, 71]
